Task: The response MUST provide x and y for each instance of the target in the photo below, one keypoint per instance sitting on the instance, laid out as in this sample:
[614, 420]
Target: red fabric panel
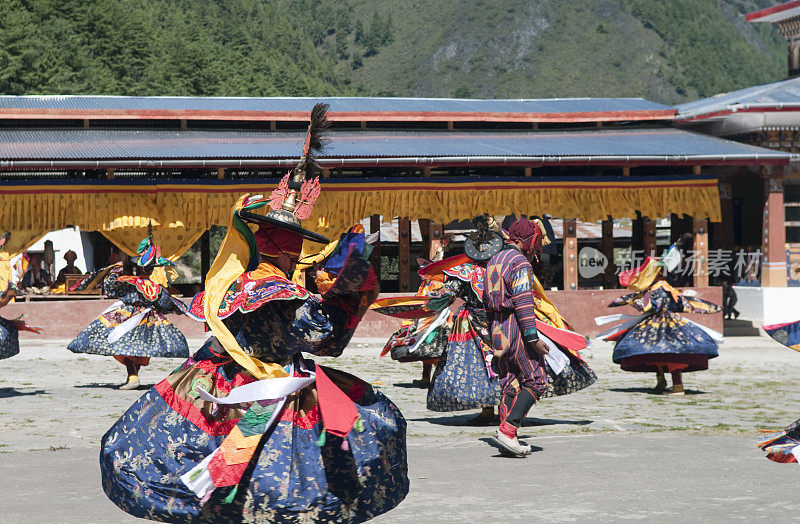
[338, 412]
[224, 474]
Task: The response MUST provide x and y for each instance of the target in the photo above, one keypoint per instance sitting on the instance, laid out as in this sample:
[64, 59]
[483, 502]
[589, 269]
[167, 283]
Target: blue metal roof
[783, 93]
[344, 104]
[663, 145]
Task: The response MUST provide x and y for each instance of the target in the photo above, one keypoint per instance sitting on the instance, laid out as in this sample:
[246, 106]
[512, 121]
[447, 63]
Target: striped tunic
[510, 311]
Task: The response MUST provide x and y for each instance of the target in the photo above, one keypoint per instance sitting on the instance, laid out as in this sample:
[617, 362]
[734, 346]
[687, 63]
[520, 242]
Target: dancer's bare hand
[540, 348]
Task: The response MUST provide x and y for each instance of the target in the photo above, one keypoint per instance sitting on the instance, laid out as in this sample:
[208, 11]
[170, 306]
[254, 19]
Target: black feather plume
[315, 139]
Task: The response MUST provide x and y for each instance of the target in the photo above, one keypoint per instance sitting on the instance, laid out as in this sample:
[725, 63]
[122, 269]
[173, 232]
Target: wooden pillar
[435, 234]
[609, 278]
[570, 254]
[650, 238]
[205, 256]
[425, 233]
[700, 247]
[375, 256]
[637, 235]
[723, 231]
[773, 243]
[404, 253]
[643, 236]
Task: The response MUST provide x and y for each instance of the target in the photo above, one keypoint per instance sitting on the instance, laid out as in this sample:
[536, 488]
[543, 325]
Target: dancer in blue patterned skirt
[135, 328]
[463, 378]
[661, 339]
[248, 430]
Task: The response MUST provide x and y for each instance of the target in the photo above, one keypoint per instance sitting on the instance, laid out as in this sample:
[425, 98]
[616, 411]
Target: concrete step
[740, 328]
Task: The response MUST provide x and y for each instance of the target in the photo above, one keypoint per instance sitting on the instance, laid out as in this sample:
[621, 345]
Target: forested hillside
[668, 51]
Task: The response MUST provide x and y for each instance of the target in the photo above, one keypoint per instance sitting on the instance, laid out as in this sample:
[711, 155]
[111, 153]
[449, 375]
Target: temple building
[767, 116]
[110, 165]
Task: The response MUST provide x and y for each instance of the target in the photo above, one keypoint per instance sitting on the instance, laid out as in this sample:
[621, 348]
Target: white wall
[63, 241]
[768, 305]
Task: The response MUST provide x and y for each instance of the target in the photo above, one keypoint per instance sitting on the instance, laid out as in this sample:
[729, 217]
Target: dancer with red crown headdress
[248, 430]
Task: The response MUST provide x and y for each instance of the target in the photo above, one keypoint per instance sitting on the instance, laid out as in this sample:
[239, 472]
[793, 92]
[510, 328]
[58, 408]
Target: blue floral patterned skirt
[461, 379]
[665, 340]
[9, 338]
[290, 478]
[574, 377]
[155, 336]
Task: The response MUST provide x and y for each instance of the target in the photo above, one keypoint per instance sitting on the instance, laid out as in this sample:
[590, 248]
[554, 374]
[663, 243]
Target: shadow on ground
[11, 392]
[649, 391]
[409, 385]
[115, 385]
[553, 422]
[464, 420]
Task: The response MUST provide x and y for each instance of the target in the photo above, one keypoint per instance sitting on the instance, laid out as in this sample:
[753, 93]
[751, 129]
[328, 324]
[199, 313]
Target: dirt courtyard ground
[611, 452]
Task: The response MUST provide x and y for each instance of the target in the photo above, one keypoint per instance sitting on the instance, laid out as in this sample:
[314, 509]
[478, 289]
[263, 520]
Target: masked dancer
[247, 429]
[418, 339]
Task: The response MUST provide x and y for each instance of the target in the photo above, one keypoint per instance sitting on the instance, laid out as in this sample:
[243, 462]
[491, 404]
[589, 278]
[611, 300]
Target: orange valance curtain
[182, 211]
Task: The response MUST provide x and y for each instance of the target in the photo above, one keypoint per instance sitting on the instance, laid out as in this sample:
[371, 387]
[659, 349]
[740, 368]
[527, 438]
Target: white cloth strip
[613, 318]
[621, 327]
[555, 357]
[127, 326]
[267, 389]
[202, 483]
[112, 307]
[440, 319]
[672, 258]
[715, 335]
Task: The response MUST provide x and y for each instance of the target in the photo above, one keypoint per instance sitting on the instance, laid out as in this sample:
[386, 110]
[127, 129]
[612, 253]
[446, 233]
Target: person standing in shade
[510, 311]
[729, 300]
[70, 269]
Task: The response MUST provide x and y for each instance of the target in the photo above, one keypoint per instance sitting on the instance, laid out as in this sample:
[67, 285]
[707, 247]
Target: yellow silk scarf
[230, 263]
